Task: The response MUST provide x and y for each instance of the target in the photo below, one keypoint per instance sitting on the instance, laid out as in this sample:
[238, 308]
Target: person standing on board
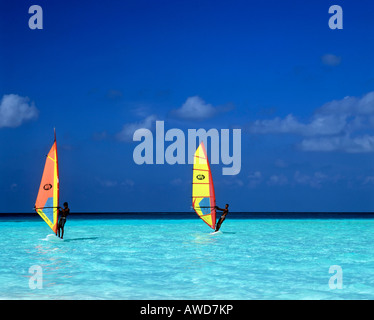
[63, 214]
[223, 217]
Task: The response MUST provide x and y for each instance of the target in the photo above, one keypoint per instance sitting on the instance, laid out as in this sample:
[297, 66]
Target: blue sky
[301, 93]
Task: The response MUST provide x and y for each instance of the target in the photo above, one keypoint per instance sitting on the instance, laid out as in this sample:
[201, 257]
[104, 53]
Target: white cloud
[344, 125]
[331, 60]
[108, 183]
[319, 125]
[314, 181]
[346, 143]
[279, 163]
[277, 180]
[254, 179]
[350, 106]
[127, 132]
[15, 110]
[195, 108]
[232, 181]
[114, 94]
[369, 180]
[128, 183]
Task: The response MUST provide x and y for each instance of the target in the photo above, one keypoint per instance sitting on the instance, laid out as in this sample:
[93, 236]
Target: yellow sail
[203, 197]
[47, 201]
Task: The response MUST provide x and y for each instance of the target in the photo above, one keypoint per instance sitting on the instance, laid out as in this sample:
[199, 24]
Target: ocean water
[177, 257]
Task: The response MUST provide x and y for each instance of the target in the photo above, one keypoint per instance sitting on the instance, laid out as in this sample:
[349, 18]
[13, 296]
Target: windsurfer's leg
[219, 224]
[62, 228]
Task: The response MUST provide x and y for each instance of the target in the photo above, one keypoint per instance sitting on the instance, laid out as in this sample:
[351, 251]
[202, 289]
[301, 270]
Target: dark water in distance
[191, 215]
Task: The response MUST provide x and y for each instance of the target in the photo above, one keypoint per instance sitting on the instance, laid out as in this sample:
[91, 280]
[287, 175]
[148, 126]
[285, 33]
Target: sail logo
[221, 145]
[47, 187]
[200, 177]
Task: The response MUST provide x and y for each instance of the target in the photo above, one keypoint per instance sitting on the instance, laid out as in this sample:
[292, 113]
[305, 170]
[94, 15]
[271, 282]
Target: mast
[58, 181]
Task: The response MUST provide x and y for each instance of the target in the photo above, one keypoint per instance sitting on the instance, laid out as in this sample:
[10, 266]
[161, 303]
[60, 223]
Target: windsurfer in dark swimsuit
[63, 214]
[223, 217]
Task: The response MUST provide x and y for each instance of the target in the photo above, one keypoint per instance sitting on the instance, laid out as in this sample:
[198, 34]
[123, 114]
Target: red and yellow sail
[203, 197]
[47, 201]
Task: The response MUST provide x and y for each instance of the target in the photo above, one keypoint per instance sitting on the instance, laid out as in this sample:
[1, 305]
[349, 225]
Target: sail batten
[47, 201]
[203, 196]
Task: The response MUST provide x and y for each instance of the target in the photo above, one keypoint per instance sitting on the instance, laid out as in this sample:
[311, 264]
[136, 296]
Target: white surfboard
[216, 232]
[53, 237]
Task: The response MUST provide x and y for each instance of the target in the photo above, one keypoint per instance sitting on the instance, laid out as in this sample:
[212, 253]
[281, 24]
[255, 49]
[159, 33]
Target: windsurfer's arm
[219, 208]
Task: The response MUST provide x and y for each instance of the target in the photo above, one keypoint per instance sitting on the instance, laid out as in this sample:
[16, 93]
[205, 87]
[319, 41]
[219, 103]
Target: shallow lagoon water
[144, 258]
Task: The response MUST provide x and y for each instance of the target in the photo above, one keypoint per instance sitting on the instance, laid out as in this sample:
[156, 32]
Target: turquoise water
[120, 258]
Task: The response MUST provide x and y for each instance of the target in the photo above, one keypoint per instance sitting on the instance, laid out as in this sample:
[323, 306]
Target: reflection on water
[58, 260]
[53, 258]
[202, 239]
[199, 249]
